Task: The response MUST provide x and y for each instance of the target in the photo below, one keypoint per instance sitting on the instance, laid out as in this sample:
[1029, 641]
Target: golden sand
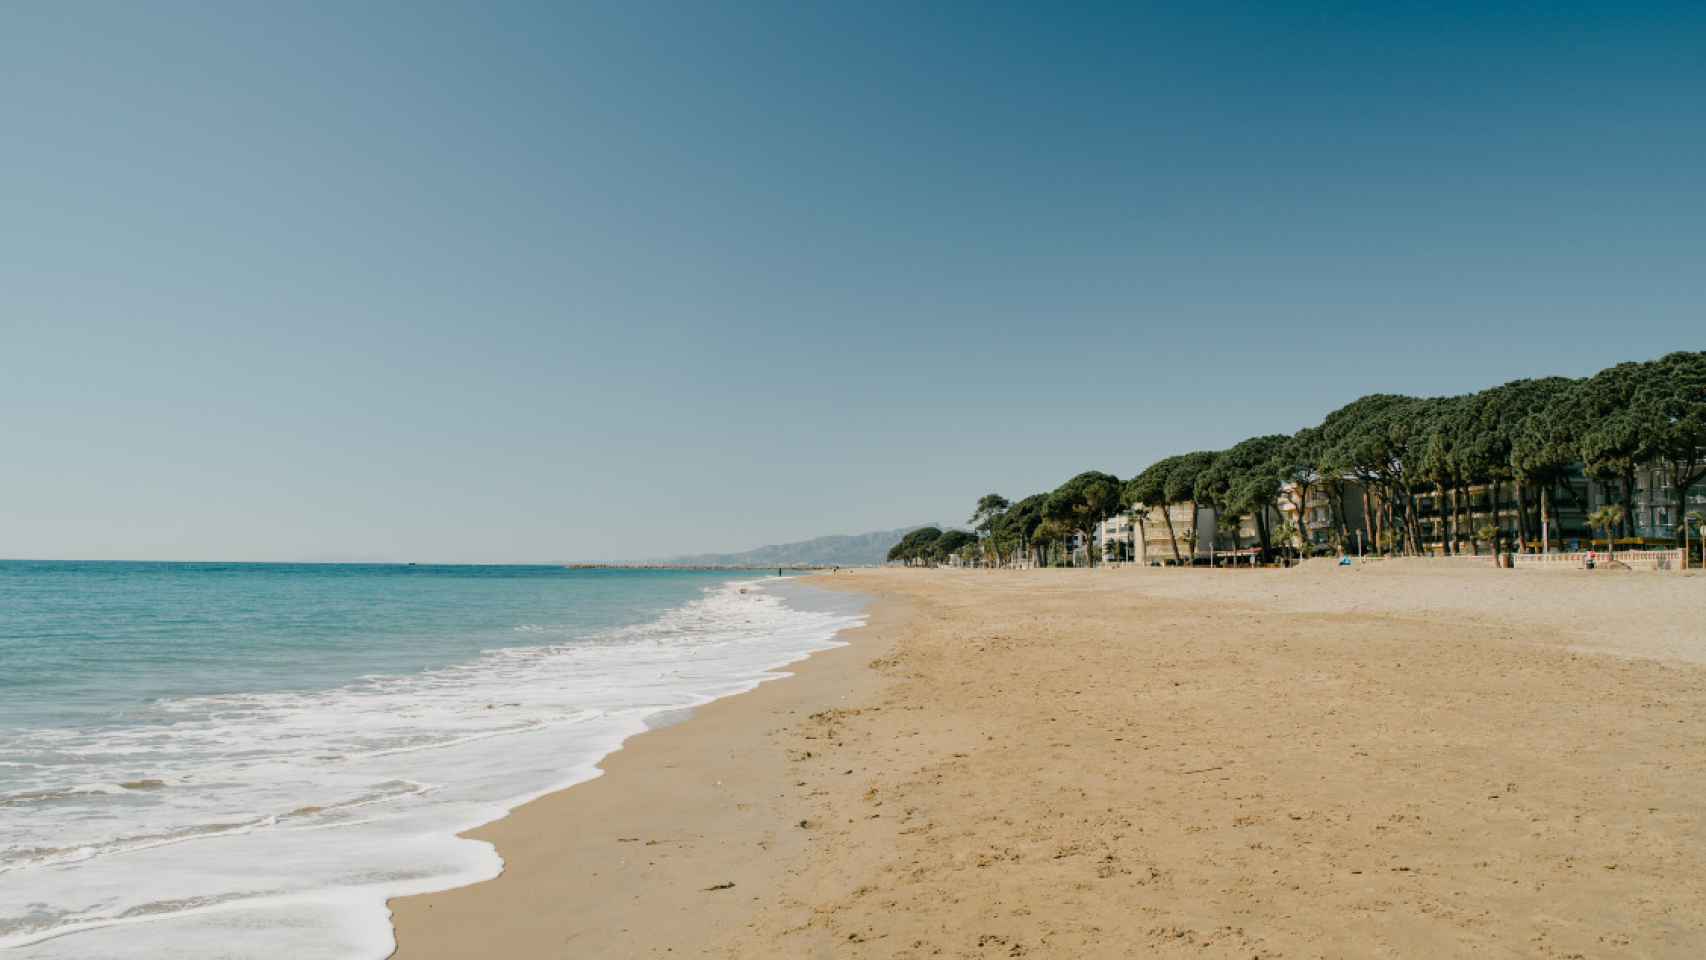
[1386, 760]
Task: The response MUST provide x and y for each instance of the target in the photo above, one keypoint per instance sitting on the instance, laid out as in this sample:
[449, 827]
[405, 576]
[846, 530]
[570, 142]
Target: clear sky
[615, 280]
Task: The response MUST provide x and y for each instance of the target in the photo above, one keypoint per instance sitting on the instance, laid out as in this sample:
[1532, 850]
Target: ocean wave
[397, 764]
[311, 813]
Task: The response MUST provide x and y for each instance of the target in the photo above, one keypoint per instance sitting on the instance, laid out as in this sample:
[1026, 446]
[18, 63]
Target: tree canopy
[916, 545]
[1148, 491]
[1083, 502]
[1516, 444]
[1181, 482]
[990, 507]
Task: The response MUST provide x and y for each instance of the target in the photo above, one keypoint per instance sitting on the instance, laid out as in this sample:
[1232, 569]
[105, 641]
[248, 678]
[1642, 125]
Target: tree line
[1519, 442]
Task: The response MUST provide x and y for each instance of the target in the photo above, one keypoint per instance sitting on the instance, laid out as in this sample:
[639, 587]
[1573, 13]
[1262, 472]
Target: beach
[1389, 759]
[224, 760]
[639, 862]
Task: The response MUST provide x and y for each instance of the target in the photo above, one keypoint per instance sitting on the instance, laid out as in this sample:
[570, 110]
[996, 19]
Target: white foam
[273, 825]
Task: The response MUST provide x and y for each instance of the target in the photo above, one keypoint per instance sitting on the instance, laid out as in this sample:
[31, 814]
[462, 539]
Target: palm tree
[1487, 534]
[1607, 518]
[1049, 533]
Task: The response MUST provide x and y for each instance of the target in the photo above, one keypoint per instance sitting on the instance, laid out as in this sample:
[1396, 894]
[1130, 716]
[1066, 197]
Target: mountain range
[853, 550]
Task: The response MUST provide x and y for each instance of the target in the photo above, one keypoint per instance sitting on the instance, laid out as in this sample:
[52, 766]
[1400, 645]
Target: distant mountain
[861, 549]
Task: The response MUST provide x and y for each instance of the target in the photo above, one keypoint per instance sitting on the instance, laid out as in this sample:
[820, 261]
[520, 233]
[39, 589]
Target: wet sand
[1370, 761]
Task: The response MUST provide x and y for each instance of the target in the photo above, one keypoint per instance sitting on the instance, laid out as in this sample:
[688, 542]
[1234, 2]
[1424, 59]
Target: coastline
[1068, 763]
[634, 861]
[235, 770]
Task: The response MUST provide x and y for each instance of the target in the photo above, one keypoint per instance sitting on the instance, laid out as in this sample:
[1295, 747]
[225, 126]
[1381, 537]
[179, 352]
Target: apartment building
[1320, 526]
[1335, 518]
[1142, 536]
[1563, 527]
[1116, 537]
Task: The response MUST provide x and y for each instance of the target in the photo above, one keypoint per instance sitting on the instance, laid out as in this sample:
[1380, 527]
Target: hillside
[853, 550]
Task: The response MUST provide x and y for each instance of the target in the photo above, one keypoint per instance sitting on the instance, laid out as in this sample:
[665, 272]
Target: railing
[1551, 559]
[1634, 559]
[1651, 559]
[1574, 560]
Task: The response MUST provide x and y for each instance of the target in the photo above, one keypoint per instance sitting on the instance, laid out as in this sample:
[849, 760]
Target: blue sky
[607, 281]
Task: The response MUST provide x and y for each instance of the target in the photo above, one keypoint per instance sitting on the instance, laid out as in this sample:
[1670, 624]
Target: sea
[248, 760]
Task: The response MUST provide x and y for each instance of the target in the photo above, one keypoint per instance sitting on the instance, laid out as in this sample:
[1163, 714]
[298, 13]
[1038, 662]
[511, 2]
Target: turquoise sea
[248, 759]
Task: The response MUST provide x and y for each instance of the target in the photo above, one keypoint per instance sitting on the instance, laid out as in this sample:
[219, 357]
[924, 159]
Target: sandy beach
[1396, 759]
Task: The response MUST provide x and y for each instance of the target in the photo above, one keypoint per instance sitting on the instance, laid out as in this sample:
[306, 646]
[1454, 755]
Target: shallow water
[247, 760]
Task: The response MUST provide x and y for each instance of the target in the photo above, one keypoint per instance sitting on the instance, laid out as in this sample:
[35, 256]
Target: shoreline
[635, 818]
[283, 820]
[1067, 763]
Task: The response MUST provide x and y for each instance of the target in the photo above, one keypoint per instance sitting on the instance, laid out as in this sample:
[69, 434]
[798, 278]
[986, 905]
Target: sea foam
[278, 824]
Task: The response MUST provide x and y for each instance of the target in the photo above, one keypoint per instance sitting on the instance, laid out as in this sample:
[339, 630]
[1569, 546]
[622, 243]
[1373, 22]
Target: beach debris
[726, 885]
[627, 839]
